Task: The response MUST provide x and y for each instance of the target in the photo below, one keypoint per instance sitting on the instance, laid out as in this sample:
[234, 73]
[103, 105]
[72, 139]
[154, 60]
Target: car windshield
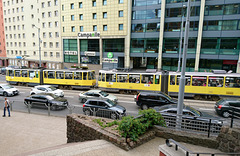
[111, 103]
[104, 94]
[7, 86]
[52, 88]
[49, 97]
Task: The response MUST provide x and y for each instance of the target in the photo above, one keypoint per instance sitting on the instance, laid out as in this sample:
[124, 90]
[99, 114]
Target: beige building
[24, 21]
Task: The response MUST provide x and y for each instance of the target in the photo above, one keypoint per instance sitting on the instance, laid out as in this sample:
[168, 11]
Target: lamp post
[182, 78]
[180, 47]
[40, 64]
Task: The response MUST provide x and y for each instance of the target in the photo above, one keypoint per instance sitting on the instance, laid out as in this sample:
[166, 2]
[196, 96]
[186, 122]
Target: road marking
[22, 92]
[69, 96]
[206, 109]
[126, 101]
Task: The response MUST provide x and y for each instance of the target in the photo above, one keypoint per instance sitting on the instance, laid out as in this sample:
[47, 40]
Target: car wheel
[87, 112]
[84, 100]
[225, 114]
[53, 107]
[144, 107]
[32, 93]
[114, 116]
[5, 94]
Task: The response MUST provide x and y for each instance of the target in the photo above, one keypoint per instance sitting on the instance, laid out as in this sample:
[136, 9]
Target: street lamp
[40, 64]
[182, 78]
[180, 47]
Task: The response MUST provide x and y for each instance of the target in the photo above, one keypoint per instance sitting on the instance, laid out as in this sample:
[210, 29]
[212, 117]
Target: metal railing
[235, 115]
[188, 151]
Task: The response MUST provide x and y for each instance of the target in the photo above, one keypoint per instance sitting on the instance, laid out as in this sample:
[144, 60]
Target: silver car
[8, 90]
[96, 94]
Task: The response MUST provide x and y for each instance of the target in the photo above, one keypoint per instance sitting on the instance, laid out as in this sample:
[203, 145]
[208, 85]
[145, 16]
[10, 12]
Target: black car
[152, 99]
[103, 108]
[191, 118]
[225, 107]
[44, 100]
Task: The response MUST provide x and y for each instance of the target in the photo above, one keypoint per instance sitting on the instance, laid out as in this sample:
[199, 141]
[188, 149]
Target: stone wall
[187, 137]
[81, 128]
[229, 140]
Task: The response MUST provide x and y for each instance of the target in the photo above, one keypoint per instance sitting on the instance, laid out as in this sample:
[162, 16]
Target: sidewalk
[38, 135]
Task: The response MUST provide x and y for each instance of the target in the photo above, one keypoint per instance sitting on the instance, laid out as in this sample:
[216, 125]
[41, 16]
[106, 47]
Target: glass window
[172, 80]
[152, 45]
[187, 80]
[81, 17]
[68, 75]
[233, 82]
[113, 45]
[139, 14]
[229, 43]
[138, 27]
[151, 27]
[73, 28]
[104, 2]
[134, 78]
[94, 28]
[157, 79]
[122, 78]
[80, 5]
[17, 73]
[215, 81]
[120, 1]
[147, 79]
[77, 75]
[231, 9]
[72, 6]
[171, 45]
[94, 3]
[110, 77]
[209, 43]
[199, 80]
[229, 25]
[81, 28]
[215, 10]
[94, 15]
[59, 75]
[24, 73]
[104, 27]
[32, 74]
[120, 26]
[84, 75]
[105, 15]
[100, 77]
[120, 14]
[72, 17]
[103, 77]
[51, 74]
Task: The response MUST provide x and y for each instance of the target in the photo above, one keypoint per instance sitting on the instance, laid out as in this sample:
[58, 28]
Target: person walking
[6, 106]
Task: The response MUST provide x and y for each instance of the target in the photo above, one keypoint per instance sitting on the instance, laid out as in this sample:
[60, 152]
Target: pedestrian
[6, 106]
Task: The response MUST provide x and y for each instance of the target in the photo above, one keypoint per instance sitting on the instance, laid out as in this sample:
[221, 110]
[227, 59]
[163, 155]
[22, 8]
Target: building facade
[32, 31]
[3, 60]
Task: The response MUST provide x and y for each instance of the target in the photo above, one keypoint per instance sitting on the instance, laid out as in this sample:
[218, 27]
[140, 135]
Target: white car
[8, 90]
[46, 89]
[96, 94]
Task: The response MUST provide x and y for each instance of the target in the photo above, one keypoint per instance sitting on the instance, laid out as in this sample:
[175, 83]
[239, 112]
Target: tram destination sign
[110, 60]
[89, 35]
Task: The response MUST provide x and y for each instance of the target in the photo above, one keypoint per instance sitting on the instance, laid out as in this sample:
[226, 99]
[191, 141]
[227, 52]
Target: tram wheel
[65, 87]
[121, 92]
[70, 88]
[215, 98]
[197, 97]
[60, 86]
[134, 92]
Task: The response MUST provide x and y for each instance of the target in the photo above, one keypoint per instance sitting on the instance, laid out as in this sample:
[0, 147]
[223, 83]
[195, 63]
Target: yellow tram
[198, 84]
[67, 79]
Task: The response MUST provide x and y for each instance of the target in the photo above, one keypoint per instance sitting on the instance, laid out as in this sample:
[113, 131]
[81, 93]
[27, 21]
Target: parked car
[3, 71]
[8, 90]
[103, 108]
[96, 94]
[46, 89]
[45, 99]
[152, 99]
[191, 119]
[225, 107]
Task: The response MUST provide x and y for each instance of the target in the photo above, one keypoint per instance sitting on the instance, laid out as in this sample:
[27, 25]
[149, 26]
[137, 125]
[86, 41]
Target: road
[72, 96]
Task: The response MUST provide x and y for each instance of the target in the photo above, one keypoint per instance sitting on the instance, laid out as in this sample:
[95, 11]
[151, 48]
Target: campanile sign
[89, 35]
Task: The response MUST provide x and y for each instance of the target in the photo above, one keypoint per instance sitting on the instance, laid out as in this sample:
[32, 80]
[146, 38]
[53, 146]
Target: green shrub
[133, 128]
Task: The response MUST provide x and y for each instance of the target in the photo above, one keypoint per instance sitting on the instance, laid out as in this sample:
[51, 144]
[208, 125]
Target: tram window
[77, 75]
[110, 77]
[17, 73]
[157, 78]
[32, 74]
[51, 74]
[214, 81]
[59, 75]
[147, 79]
[68, 75]
[36, 74]
[122, 78]
[89, 76]
[172, 80]
[134, 78]
[10, 73]
[84, 76]
[233, 82]
[45, 74]
[24, 73]
[93, 75]
[100, 77]
[199, 80]
[187, 80]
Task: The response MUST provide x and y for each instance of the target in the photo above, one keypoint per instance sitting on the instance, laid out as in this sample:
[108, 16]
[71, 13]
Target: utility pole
[182, 78]
[180, 47]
